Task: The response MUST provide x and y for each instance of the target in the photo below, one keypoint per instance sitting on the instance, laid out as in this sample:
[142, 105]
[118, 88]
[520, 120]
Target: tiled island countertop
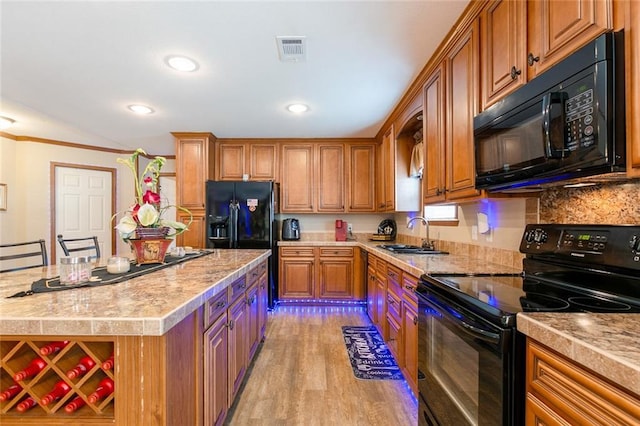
[147, 305]
[608, 344]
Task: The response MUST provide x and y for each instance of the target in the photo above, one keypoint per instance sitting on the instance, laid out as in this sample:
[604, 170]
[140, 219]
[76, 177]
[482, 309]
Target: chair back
[71, 245]
[34, 251]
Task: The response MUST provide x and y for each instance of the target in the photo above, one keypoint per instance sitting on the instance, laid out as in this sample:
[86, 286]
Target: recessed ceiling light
[140, 109]
[6, 122]
[298, 108]
[181, 63]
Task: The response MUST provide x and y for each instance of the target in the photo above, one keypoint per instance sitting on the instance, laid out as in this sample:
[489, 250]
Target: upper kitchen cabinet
[361, 187]
[520, 40]
[434, 179]
[462, 63]
[297, 179]
[386, 159]
[330, 179]
[504, 32]
[256, 159]
[556, 29]
[194, 166]
[632, 65]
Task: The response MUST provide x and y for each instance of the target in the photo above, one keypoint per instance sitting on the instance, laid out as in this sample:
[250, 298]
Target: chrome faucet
[426, 243]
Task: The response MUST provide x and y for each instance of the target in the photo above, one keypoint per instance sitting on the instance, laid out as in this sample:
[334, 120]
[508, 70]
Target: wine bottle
[85, 364]
[10, 392]
[75, 404]
[53, 347]
[60, 389]
[34, 367]
[26, 404]
[107, 364]
[105, 388]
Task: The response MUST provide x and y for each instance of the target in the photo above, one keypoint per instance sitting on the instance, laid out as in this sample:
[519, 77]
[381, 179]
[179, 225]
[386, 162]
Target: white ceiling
[69, 68]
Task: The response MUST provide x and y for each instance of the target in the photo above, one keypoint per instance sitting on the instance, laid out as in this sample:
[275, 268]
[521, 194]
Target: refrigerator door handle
[233, 224]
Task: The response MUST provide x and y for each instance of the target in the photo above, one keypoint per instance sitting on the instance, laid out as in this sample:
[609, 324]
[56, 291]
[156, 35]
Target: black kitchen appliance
[471, 358]
[241, 215]
[290, 229]
[567, 123]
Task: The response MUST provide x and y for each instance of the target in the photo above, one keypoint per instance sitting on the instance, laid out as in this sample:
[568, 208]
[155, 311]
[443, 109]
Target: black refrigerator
[241, 215]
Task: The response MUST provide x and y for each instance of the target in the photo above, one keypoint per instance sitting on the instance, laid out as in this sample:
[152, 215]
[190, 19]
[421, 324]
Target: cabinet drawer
[394, 280]
[296, 252]
[578, 395]
[237, 288]
[336, 252]
[409, 285]
[214, 307]
[394, 306]
[253, 275]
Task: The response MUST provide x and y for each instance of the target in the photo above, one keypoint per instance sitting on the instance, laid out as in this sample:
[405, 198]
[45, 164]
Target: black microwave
[566, 123]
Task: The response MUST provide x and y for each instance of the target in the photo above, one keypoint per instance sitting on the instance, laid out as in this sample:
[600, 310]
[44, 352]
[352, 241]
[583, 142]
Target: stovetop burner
[593, 304]
[535, 302]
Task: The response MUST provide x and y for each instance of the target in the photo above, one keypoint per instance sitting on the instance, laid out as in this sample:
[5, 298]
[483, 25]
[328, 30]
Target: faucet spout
[427, 243]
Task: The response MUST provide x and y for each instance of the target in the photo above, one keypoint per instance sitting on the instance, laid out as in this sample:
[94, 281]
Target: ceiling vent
[292, 49]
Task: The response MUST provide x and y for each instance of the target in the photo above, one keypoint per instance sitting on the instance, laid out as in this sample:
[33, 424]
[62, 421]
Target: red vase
[150, 251]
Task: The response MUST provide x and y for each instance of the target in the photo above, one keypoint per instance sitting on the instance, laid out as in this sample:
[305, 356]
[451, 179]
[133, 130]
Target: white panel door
[168, 200]
[83, 207]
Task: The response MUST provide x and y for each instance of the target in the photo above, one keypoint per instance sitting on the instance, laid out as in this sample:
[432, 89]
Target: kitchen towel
[370, 357]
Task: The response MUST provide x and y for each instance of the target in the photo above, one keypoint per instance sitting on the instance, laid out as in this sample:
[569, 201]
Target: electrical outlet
[349, 228]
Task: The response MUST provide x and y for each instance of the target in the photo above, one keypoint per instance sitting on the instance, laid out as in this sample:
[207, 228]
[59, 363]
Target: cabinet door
[195, 235]
[503, 47]
[232, 159]
[434, 114]
[558, 28]
[410, 340]
[336, 278]
[330, 186]
[361, 193]
[216, 380]
[297, 278]
[297, 179]
[253, 317]
[238, 341]
[381, 304]
[193, 168]
[462, 72]
[262, 162]
[372, 287]
[263, 303]
[632, 66]
[389, 148]
[394, 336]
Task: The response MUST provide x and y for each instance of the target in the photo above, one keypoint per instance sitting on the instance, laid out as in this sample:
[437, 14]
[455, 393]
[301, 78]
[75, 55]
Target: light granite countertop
[608, 344]
[147, 305]
[416, 264]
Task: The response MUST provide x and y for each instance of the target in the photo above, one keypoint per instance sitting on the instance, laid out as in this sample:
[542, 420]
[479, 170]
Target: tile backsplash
[601, 204]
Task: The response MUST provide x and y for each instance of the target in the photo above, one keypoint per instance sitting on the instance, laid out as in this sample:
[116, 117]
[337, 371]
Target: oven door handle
[465, 326]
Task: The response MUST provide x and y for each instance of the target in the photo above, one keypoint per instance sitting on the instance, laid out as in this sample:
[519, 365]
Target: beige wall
[361, 223]
[25, 168]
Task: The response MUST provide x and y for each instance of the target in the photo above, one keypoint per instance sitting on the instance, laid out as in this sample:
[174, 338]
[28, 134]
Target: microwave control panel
[579, 116]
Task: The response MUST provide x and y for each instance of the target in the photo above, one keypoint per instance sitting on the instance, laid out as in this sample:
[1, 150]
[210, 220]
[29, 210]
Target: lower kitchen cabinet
[310, 274]
[238, 342]
[372, 288]
[216, 379]
[394, 330]
[562, 392]
[410, 330]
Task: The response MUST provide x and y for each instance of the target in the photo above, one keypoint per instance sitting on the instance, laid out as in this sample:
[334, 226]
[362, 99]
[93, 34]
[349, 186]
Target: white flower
[148, 215]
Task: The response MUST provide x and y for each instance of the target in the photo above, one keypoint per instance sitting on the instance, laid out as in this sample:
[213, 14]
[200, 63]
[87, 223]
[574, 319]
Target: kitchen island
[160, 329]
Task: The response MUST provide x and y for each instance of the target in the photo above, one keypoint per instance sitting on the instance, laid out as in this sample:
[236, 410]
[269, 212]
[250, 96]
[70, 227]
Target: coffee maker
[219, 231]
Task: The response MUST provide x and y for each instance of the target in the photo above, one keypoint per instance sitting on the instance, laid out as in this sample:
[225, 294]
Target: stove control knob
[634, 243]
[540, 236]
[528, 236]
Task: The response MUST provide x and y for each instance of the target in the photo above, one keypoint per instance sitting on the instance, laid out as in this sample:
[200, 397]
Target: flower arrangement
[146, 212]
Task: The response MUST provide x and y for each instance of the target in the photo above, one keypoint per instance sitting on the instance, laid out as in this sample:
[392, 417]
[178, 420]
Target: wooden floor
[302, 376]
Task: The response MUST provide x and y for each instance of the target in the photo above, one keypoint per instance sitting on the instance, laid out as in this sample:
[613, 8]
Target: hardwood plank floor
[302, 376]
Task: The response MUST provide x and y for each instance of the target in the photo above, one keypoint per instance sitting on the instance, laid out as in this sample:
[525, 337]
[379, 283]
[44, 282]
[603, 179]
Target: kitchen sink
[409, 249]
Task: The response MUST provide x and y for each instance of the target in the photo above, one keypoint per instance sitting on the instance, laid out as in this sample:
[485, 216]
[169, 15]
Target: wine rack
[17, 354]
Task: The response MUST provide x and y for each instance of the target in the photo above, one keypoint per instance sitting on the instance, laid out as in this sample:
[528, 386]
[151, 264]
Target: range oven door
[465, 364]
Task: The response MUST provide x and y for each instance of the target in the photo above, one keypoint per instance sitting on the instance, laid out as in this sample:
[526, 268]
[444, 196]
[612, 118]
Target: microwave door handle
[553, 124]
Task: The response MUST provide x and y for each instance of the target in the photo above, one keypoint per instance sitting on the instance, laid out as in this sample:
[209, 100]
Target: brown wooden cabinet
[297, 178]
[561, 392]
[258, 160]
[410, 331]
[335, 273]
[632, 70]
[387, 172]
[330, 178]
[557, 28]
[263, 300]
[253, 326]
[434, 113]
[215, 376]
[360, 169]
[194, 166]
[238, 345]
[372, 291]
[310, 274]
[462, 105]
[503, 46]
